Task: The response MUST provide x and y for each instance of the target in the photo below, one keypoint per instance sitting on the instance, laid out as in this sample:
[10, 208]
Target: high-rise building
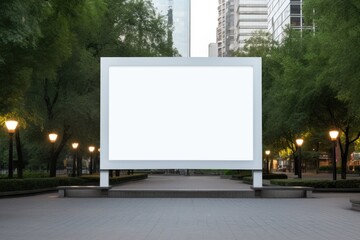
[284, 13]
[177, 15]
[237, 21]
[213, 51]
[226, 27]
[252, 16]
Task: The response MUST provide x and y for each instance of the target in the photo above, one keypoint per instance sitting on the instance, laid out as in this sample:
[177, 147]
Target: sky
[203, 24]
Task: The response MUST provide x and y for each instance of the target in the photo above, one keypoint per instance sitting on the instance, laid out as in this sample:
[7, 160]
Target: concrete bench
[355, 204]
[283, 192]
[83, 191]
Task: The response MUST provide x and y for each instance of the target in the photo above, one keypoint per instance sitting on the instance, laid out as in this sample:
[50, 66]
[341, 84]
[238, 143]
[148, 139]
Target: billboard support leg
[104, 178]
[257, 178]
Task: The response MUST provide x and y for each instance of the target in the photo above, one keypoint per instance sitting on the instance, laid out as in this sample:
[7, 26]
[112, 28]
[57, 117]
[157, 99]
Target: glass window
[295, 9]
[295, 21]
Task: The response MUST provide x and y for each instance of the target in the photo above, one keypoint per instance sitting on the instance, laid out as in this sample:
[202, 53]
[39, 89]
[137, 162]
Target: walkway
[163, 182]
[44, 217]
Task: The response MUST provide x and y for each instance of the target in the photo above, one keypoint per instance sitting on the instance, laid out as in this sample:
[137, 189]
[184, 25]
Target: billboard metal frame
[255, 164]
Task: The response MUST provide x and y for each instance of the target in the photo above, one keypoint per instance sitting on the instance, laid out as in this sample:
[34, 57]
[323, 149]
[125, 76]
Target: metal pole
[90, 164]
[299, 162]
[52, 172]
[267, 164]
[10, 173]
[79, 166]
[74, 165]
[334, 159]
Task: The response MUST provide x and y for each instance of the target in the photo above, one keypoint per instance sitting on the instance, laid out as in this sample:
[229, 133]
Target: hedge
[249, 180]
[116, 180]
[352, 183]
[9, 185]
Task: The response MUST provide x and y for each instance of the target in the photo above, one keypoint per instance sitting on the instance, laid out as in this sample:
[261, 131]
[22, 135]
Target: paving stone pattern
[324, 217]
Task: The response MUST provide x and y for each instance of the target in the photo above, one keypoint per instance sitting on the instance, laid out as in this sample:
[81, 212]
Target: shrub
[8, 185]
[353, 183]
[239, 175]
[329, 169]
[115, 180]
[249, 179]
[127, 178]
[275, 176]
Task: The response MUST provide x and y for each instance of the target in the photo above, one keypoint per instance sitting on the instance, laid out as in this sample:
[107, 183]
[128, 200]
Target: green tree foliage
[337, 45]
[53, 59]
[314, 78]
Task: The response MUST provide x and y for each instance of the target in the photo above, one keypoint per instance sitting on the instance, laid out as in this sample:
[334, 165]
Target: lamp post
[299, 143]
[267, 152]
[52, 138]
[98, 161]
[333, 135]
[11, 126]
[74, 146]
[91, 149]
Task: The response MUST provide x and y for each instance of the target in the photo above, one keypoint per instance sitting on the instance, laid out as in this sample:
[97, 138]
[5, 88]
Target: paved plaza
[160, 182]
[326, 216]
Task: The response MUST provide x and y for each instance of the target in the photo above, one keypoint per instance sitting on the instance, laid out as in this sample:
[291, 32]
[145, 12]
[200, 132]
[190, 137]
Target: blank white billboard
[180, 113]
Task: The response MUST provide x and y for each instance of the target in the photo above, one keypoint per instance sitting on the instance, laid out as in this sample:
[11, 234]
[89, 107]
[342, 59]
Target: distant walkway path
[163, 182]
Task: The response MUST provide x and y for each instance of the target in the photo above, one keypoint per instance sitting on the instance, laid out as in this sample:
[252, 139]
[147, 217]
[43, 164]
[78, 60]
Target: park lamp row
[299, 142]
[53, 137]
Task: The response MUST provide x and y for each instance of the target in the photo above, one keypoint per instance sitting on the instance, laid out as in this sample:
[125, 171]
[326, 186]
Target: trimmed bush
[8, 185]
[353, 183]
[249, 179]
[127, 178]
[329, 169]
[115, 180]
[241, 174]
[275, 176]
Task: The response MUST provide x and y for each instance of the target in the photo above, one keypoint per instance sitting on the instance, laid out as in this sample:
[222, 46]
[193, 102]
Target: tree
[61, 91]
[337, 37]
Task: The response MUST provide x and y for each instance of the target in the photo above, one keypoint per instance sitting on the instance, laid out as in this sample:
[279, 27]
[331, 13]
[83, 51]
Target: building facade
[226, 27]
[252, 16]
[284, 13]
[213, 50]
[237, 21]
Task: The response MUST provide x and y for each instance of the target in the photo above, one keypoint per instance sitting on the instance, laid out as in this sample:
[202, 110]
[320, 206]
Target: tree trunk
[344, 149]
[65, 137]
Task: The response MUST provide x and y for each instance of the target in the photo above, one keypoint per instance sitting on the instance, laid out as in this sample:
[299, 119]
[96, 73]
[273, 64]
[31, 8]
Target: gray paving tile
[324, 217]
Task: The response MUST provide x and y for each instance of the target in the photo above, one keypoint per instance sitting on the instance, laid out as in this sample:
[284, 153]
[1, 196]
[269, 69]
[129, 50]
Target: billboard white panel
[180, 113]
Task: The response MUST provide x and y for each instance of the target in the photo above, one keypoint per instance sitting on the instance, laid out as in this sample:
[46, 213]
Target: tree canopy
[50, 65]
[311, 79]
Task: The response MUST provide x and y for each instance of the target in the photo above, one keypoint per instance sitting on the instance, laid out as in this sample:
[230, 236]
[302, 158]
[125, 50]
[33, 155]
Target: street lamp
[52, 138]
[333, 135]
[11, 126]
[91, 149]
[267, 152]
[75, 146]
[299, 142]
[97, 168]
